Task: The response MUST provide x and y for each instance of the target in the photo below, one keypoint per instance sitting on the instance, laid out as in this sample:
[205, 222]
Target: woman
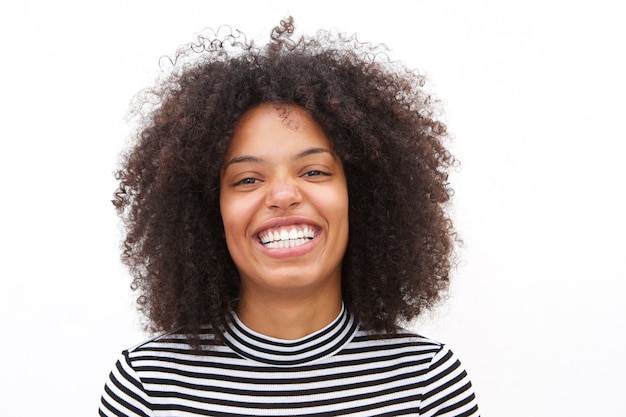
[285, 216]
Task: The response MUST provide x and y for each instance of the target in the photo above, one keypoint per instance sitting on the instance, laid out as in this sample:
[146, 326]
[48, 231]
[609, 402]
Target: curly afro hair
[382, 125]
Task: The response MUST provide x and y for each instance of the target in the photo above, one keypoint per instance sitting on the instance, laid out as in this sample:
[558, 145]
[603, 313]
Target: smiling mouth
[287, 237]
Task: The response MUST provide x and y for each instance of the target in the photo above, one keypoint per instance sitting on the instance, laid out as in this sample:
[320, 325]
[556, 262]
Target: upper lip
[284, 221]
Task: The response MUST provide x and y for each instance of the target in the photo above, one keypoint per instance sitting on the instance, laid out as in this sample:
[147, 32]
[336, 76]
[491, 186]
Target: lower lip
[284, 253]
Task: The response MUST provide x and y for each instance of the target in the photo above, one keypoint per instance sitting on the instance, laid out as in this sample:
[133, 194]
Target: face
[284, 203]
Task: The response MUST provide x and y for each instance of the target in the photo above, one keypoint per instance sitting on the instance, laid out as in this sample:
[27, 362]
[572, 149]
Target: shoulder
[440, 380]
[436, 357]
[401, 349]
[172, 346]
[171, 340]
[399, 340]
[436, 362]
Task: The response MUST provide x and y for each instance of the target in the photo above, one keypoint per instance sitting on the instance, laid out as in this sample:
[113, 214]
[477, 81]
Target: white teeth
[284, 238]
[279, 244]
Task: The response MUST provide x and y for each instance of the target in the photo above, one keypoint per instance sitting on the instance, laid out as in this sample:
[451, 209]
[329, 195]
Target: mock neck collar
[273, 351]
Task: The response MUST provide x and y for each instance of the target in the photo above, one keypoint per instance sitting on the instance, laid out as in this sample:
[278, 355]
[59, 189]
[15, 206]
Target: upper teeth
[285, 238]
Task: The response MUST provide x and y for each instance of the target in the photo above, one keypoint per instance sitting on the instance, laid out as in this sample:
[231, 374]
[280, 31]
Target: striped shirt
[337, 371]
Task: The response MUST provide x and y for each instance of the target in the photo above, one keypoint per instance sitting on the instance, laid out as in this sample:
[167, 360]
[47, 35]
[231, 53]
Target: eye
[247, 181]
[315, 173]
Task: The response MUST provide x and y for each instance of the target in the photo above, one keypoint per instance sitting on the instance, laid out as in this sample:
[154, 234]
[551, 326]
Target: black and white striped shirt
[338, 370]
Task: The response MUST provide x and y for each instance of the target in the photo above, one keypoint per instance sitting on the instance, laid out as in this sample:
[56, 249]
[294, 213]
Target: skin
[281, 174]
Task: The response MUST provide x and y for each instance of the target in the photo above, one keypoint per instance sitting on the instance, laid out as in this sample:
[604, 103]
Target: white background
[535, 96]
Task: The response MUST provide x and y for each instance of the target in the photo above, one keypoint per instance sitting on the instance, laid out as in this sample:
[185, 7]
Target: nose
[283, 194]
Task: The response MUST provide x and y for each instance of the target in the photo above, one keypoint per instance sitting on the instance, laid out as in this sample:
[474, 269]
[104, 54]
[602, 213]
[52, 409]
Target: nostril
[283, 195]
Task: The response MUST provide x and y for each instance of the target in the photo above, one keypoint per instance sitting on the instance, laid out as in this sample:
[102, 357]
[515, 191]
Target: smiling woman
[285, 216]
[284, 205]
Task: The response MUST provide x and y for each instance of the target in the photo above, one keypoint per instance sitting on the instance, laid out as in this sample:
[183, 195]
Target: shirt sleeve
[447, 389]
[124, 394]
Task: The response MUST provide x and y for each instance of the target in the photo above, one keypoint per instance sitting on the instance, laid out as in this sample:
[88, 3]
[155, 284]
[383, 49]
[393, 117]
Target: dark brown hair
[383, 127]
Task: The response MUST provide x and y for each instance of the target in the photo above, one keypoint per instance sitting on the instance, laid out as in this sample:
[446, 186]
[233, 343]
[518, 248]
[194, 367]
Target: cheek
[336, 207]
[343, 208]
[228, 211]
[234, 229]
[237, 215]
[339, 199]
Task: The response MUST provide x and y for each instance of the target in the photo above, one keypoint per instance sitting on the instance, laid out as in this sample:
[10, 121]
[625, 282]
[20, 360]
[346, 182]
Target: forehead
[291, 116]
[272, 129]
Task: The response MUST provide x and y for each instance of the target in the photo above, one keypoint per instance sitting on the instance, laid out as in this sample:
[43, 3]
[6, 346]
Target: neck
[289, 317]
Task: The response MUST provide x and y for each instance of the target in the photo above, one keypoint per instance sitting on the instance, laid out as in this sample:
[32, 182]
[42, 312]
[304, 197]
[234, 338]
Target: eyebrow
[303, 154]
